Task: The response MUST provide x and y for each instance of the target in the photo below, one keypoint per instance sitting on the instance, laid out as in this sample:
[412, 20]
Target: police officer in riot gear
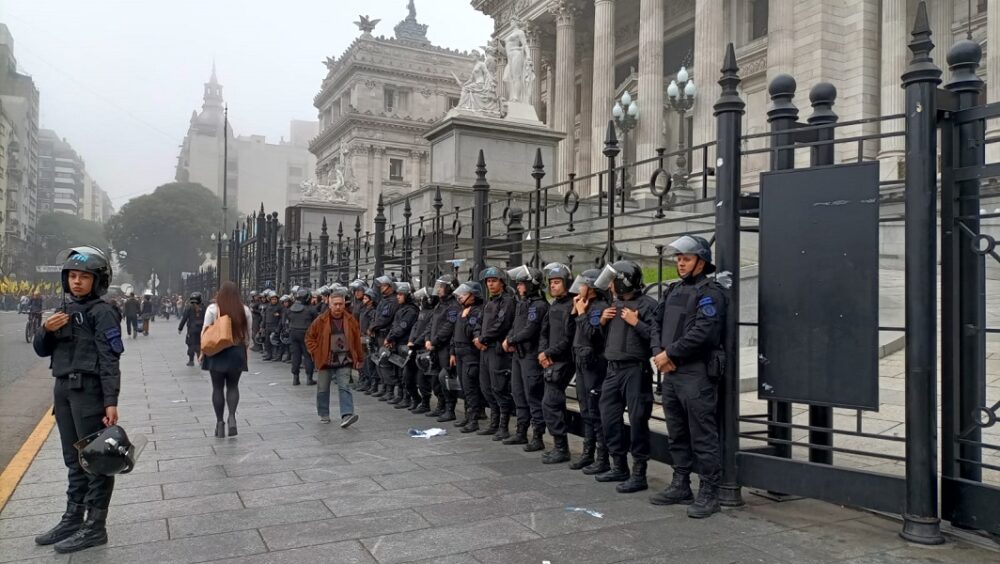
[419, 384]
[298, 318]
[555, 355]
[527, 386]
[442, 328]
[591, 368]
[397, 340]
[272, 315]
[465, 356]
[284, 341]
[255, 313]
[629, 322]
[357, 304]
[380, 326]
[194, 317]
[498, 317]
[84, 341]
[687, 348]
[369, 375]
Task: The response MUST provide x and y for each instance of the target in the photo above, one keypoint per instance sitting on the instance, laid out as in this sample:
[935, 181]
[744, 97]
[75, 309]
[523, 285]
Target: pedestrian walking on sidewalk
[334, 342]
[227, 365]
[84, 340]
[193, 316]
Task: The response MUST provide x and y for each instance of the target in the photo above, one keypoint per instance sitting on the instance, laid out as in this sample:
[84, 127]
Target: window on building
[390, 99]
[395, 169]
[402, 100]
[981, 6]
[758, 18]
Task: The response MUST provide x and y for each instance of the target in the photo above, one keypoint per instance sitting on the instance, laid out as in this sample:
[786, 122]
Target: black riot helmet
[493, 272]
[405, 289]
[447, 282]
[86, 259]
[109, 451]
[195, 298]
[385, 280]
[693, 245]
[467, 288]
[357, 284]
[587, 278]
[558, 270]
[623, 276]
[302, 295]
[372, 295]
[425, 297]
[324, 291]
[529, 276]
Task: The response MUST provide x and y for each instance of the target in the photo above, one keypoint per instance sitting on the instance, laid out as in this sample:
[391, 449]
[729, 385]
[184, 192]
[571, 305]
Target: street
[25, 386]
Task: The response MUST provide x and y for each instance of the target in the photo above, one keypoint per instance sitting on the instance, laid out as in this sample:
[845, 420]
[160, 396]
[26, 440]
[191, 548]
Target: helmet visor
[608, 275]
[519, 274]
[463, 290]
[579, 284]
[86, 250]
[686, 245]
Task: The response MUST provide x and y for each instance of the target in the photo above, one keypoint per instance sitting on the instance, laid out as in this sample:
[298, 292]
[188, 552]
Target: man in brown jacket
[334, 343]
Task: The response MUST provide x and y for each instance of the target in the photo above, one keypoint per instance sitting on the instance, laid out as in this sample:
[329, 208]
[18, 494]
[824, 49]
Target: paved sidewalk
[289, 489]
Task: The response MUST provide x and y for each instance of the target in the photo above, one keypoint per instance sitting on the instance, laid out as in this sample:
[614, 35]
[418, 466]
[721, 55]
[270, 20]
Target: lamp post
[220, 238]
[626, 115]
[680, 98]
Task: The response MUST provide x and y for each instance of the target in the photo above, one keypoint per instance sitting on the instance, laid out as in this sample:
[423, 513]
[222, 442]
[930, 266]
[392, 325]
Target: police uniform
[556, 341]
[498, 317]
[442, 328]
[467, 364]
[629, 383]
[298, 319]
[194, 318]
[527, 386]
[369, 375]
[272, 324]
[380, 325]
[399, 333]
[591, 370]
[256, 314]
[419, 386]
[689, 324]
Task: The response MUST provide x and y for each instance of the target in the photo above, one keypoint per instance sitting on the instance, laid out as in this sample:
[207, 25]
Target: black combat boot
[295, 379]
[536, 444]
[447, 415]
[190, 360]
[438, 408]
[472, 425]
[503, 431]
[388, 392]
[586, 457]
[365, 388]
[466, 416]
[559, 452]
[309, 380]
[618, 472]
[494, 423]
[520, 436]
[397, 396]
[404, 401]
[678, 492]
[601, 463]
[70, 522]
[424, 406]
[379, 390]
[707, 502]
[637, 481]
[92, 533]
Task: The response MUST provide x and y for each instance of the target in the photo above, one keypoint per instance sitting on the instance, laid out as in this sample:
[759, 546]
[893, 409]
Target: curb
[12, 475]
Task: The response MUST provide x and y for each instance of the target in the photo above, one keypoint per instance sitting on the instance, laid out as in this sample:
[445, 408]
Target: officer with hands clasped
[498, 317]
[527, 387]
[84, 340]
[465, 355]
[439, 336]
[555, 355]
[687, 348]
[591, 369]
[629, 322]
[379, 328]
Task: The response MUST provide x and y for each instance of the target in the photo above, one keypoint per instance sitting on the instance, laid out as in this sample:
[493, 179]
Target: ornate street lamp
[680, 98]
[219, 239]
[626, 115]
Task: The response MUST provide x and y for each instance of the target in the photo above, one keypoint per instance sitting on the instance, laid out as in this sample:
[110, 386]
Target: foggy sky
[119, 78]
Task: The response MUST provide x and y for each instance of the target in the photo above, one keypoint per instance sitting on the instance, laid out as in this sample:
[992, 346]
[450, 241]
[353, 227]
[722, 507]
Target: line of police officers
[501, 346]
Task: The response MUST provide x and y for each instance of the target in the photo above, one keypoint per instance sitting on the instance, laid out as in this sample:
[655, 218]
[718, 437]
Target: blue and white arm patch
[452, 315]
[532, 313]
[114, 338]
[707, 306]
[595, 318]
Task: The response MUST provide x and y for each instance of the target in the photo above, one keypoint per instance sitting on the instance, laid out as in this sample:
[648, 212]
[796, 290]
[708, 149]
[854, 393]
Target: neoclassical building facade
[591, 51]
[375, 104]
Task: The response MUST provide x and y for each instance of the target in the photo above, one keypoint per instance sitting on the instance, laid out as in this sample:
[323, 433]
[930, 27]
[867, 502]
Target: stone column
[550, 94]
[415, 170]
[583, 162]
[378, 157]
[709, 47]
[649, 129]
[535, 53]
[992, 76]
[604, 76]
[894, 36]
[565, 90]
[942, 13]
[780, 42]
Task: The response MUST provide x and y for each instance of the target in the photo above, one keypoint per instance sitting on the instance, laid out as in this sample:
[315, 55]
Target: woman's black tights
[231, 382]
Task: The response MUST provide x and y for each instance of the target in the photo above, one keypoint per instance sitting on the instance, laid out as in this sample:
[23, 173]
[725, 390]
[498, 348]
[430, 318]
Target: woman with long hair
[227, 365]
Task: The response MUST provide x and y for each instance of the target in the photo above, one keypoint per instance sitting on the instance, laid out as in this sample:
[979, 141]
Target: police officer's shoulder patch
[532, 313]
[595, 317]
[500, 314]
[473, 319]
[452, 315]
[708, 310]
[114, 338]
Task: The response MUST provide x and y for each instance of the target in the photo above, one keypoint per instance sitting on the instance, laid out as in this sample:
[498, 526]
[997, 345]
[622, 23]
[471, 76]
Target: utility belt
[625, 363]
[75, 379]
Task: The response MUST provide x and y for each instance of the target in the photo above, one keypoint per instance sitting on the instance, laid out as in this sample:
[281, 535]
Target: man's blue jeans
[341, 377]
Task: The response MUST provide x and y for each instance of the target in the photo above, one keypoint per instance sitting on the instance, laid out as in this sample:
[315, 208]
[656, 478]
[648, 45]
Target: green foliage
[168, 231]
[650, 275]
[58, 231]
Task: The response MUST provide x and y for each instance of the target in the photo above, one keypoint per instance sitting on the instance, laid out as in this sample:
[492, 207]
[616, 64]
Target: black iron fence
[815, 232]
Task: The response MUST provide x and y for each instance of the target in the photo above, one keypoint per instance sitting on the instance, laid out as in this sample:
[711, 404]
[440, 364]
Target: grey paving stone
[451, 460]
[589, 547]
[57, 503]
[559, 521]
[478, 509]
[169, 477]
[224, 485]
[241, 519]
[949, 553]
[174, 508]
[346, 552]
[254, 457]
[283, 465]
[342, 528]
[435, 476]
[21, 549]
[194, 549]
[354, 504]
[235, 447]
[823, 543]
[731, 552]
[441, 541]
[492, 487]
[308, 491]
[355, 470]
